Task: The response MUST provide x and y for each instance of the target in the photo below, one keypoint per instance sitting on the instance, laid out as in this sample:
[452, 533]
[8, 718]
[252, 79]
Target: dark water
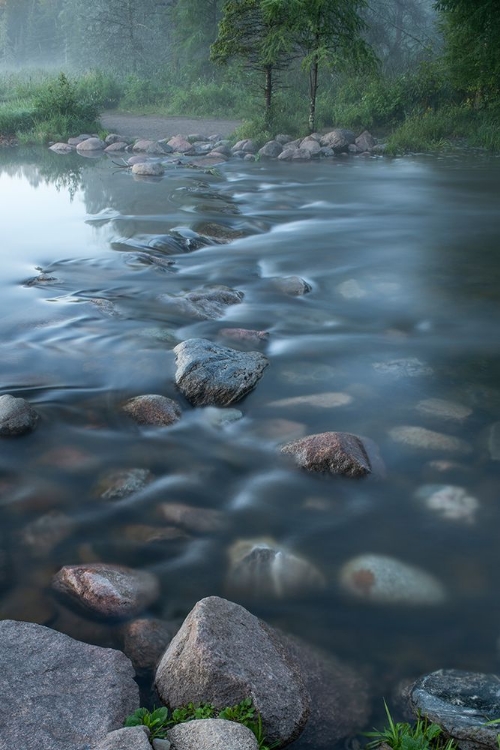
[403, 260]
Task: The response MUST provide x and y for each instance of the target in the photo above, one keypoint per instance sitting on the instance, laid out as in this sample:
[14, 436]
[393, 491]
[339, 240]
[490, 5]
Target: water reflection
[401, 259]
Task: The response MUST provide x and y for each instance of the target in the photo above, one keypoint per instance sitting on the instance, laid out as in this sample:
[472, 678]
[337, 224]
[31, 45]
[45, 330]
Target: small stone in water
[195, 519]
[153, 410]
[443, 409]
[385, 580]
[17, 416]
[336, 453]
[292, 285]
[350, 289]
[449, 501]
[410, 367]
[419, 437]
[216, 417]
[322, 400]
[118, 484]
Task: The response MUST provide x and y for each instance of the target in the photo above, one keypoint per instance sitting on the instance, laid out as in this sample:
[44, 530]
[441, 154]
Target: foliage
[159, 721]
[423, 735]
[60, 99]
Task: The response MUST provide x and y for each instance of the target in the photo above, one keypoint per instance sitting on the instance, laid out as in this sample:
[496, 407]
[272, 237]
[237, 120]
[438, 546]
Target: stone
[339, 696]
[161, 744]
[219, 232]
[212, 375]
[216, 417]
[461, 703]
[42, 535]
[62, 148]
[153, 410]
[78, 139]
[448, 501]
[283, 138]
[244, 335]
[17, 416]
[409, 367]
[336, 453]
[105, 590]
[192, 518]
[91, 144]
[261, 569]
[127, 738]
[145, 534]
[312, 145]
[58, 693]
[246, 145]
[223, 654]
[142, 145]
[204, 304]
[148, 169]
[421, 438]
[116, 148]
[137, 159]
[144, 642]
[338, 140]
[112, 138]
[210, 160]
[378, 579]
[180, 145]
[270, 150]
[115, 485]
[365, 141]
[330, 400]
[211, 734]
[292, 285]
[351, 289]
[441, 409]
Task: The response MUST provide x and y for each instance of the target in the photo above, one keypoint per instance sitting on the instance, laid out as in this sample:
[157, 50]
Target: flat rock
[261, 569]
[336, 453]
[91, 144]
[211, 734]
[61, 148]
[128, 738]
[106, 590]
[421, 438]
[461, 703]
[116, 147]
[223, 654]
[58, 693]
[212, 375]
[144, 642]
[329, 400]
[449, 502]
[292, 285]
[153, 410]
[17, 416]
[441, 409]
[379, 579]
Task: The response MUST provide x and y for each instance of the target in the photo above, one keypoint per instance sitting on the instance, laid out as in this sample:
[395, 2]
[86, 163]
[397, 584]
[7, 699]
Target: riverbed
[401, 257]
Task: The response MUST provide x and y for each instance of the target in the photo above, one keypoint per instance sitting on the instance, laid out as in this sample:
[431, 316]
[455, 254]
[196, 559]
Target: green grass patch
[422, 735]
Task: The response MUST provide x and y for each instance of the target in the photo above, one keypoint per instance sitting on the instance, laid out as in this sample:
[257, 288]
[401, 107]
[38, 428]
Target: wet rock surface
[153, 410]
[58, 693]
[145, 640]
[106, 591]
[223, 654]
[128, 738]
[461, 703]
[115, 485]
[17, 416]
[212, 375]
[336, 453]
[424, 439]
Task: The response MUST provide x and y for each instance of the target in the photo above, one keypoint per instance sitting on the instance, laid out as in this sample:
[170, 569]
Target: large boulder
[223, 654]
[212, 375]
[336, 453]
[461, 703]
[270, 150]
[58, 693]
[90, 144]
[338, 140]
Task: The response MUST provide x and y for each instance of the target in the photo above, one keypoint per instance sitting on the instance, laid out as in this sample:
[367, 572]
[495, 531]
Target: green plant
[156, 721]
[423, 735]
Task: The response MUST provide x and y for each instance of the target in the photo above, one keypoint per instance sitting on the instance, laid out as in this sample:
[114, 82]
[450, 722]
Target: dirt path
[155, 128]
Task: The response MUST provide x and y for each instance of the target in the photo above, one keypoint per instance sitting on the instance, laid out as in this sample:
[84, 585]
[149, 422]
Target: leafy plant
[423, 735]
[156, 721]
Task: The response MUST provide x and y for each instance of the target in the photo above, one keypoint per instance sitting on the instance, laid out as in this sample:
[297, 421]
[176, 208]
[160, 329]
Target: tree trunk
[313, 90]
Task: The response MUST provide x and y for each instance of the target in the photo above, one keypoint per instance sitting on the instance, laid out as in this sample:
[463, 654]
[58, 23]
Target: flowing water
[402, 258]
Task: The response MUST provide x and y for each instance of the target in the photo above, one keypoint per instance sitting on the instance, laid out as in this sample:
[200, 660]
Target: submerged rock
[244, 335]
[450, 502]
[193, 518]
[211, 734]
[420, 437]
[204, 304]
[212, 375]
[144, 641]
[461, 703]
[441, 409]
[336, 453]
[409, 367]
[221, 655]
[292, 285]
[105, 590]
[153, 410]
[263, 569]
[121, 483]
[17, 416]
[330, 400]
[379, 579]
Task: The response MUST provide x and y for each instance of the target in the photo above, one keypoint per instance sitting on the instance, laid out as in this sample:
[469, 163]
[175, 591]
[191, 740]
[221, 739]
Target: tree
[329, 32]
[258, 32]
[195, 27]
[472, 34]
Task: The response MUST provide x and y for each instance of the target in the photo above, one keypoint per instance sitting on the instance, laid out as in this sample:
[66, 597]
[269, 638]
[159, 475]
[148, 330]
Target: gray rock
[113, 138]
[144, 642]
[222, 655]
[330, 400]
[148, 169]
[292, 285]
[107, 591]
[163, 142]
[204, 304]
[216, 417]
[195, 519]
[270, 150]
[262, 569]
[116, 485]
[288, 153]
[61, 148]
[91, 144]
[336, 453]
[58, 693]
[312, 145]
[142, 145]
[17, 416]
[461, 703]
[212, 734]
[448, 501]
[128, 738]
[116, 147]
[180, 145]
[423, 439]
[379, 579]
[247, 145]
[244, 335]
[161, 744]
[409, 367]
[212, 375]
[338, 140]
[249, 157]
[441, 409]
[351, 289]
[79, 139]
[365, 141]
[153, 410]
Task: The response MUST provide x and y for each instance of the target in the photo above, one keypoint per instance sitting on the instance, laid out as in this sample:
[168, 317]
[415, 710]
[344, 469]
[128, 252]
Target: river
[402, 259]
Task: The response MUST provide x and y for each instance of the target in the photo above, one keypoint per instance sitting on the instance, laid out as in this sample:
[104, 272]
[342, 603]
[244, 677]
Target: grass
[423, 735]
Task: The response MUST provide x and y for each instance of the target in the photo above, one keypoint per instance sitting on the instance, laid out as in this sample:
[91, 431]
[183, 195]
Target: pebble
[385, 580]
[439, 408]
[336, 453]
[449, 501]
[410, 367]
[328, 400]
[292, 285]
[17, 416]
[420, 437]
[194, 519]
[119, 484]
[153, 410]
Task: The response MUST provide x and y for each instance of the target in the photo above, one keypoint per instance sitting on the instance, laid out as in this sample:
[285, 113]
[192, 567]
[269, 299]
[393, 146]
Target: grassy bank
[420, 112]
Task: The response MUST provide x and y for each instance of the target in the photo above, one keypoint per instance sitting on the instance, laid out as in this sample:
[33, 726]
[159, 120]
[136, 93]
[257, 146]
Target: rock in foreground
[212, 375]
[58, 693]
[17, 416]
[222, 655]
[336, 453]
[211, 734]
[461, 703]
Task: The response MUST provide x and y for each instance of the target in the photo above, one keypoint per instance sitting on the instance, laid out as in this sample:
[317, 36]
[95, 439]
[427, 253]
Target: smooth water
[403, 259]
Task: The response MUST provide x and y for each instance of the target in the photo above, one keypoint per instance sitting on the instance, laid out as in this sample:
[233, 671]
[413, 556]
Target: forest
[423, 73]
